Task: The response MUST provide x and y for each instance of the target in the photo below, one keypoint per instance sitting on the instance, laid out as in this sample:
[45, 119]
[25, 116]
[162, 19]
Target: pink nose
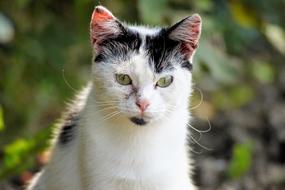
[142, 104]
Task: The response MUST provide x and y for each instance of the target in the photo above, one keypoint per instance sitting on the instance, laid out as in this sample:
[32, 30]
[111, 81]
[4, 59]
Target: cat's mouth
[138, 121]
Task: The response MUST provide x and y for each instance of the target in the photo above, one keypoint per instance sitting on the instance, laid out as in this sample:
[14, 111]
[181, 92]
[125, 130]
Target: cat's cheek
[157, 106]
[127, 105]
[166, 94]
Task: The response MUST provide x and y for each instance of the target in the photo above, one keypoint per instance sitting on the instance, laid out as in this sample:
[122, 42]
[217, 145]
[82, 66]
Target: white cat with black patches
[128, 128]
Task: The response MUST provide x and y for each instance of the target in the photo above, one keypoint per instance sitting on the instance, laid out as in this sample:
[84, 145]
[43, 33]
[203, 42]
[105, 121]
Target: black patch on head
[122, 45]
[138, 121]
[187, 65]
[68, 128]
[158, 47]
[99, 58]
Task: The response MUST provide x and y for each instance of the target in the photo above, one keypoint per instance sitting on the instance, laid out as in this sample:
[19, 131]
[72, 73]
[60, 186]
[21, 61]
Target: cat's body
[129, 134]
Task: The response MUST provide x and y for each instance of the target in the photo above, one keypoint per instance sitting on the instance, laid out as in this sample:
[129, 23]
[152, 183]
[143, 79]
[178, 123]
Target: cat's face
[142, 74]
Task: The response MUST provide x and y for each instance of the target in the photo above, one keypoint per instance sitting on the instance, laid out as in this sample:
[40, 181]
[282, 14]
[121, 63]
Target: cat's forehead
[146, 46]
[137, 66]
[144, 30]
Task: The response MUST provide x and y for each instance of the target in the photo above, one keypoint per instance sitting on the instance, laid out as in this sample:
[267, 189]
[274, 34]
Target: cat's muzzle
[138, 121]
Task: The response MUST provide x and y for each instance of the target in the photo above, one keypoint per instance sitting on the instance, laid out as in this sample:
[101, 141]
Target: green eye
[123, 79]
[164, 81]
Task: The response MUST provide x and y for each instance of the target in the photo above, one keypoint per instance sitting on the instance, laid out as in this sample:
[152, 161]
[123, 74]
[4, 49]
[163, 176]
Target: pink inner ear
[191, 29]
[188, 32]
[101, 14]
[195, 28]
[102, 25]
[188, 49]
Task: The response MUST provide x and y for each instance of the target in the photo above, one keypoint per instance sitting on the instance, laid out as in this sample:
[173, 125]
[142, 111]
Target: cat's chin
[139, 121]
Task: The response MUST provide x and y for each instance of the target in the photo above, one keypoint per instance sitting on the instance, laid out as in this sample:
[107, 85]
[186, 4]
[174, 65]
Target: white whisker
[111, 115]
[201, 131]
[201, 100]
[196, 152]
[202, 146]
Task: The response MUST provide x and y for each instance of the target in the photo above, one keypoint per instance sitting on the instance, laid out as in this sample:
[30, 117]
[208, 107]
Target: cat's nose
[142, 104]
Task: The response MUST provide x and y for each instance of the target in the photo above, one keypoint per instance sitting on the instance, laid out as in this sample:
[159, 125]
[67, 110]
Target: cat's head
[140, 73]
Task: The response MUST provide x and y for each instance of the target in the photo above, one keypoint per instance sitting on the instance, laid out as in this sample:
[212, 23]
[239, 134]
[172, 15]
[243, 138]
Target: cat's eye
[123, 79]
[164, 81]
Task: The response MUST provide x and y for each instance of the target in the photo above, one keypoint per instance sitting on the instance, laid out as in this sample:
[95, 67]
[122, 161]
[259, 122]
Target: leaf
[276, 36]
[244, 15]
[241, 160]
[263, 72]
[15, 150]
[241, 95]
[2, 124]
[18, 156]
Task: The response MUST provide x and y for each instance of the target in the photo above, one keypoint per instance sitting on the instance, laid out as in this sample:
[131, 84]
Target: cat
[127, 130]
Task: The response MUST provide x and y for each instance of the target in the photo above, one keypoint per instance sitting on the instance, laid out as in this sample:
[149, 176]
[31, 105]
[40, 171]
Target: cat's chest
[156, 183]
[137, 157]
[134, 165]
[134, 161]
[136, 174]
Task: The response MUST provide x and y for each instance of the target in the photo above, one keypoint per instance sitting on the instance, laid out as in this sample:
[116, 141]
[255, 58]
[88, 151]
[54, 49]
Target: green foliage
[243, 14]
[241, 160]
[233, 97]
[223, 68]
[263, 72]
[241, 95]
[2, 124]
[20, 154]
[276, 36]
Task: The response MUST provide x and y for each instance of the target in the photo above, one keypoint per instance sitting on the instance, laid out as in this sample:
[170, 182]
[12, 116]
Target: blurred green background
[239, 74]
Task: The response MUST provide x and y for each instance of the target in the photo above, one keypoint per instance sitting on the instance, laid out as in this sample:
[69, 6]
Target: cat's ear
[104, 25]
[188, 32]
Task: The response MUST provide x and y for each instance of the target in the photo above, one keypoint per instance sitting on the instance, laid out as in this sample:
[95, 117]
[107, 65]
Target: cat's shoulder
[71, 117]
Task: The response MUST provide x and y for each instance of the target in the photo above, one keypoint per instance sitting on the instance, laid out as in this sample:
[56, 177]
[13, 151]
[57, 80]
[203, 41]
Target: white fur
[111, 153]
